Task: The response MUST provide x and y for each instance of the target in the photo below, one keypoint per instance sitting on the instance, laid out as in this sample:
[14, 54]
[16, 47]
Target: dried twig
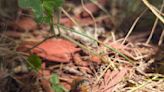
[154, 26]
[153, 10]
[133, 26]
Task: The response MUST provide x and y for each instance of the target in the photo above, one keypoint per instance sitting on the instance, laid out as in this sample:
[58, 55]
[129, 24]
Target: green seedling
[34, 62]
[55, 84]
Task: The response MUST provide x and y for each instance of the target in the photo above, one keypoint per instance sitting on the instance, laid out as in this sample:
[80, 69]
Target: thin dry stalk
[161, 38]
[152, 31]
[71, 18]
[151, 7]
[133, 26]
[91, 15]
[102, 74]
[154, 26]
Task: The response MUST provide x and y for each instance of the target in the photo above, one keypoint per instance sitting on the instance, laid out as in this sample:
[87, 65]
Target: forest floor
[95, 52]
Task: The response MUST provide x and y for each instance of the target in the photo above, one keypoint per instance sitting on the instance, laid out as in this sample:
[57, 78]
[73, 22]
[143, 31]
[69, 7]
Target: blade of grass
[107, 46]
[144, 84]
[77, 43]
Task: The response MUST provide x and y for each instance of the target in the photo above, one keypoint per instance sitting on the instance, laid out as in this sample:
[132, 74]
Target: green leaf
[54, 79]
[42, 9]
[35, 5]
[24, 3]
[44, 19]
[29, 4]
[58, 3]
[55, 4]
[55, 84]
[48, 6]
[34, 62]
[57, 88]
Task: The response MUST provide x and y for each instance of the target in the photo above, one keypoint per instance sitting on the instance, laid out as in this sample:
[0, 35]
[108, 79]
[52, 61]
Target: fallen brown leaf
[113, 78]
[58, 50]
[25, 24]
[78, 61]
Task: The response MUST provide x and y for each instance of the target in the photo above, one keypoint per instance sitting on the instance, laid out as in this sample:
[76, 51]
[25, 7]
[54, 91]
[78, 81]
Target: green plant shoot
[34, 62]
[55, 84]
[42, 9]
